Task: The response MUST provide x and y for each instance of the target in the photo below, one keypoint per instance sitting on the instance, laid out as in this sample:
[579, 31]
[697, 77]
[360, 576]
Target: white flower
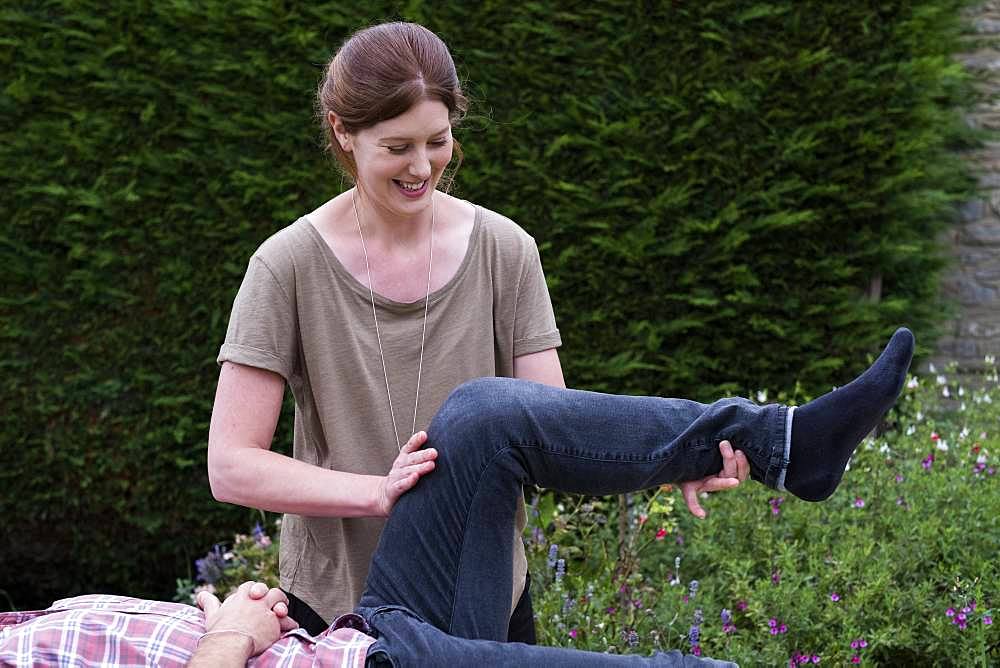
[945, 392]
[961, 391]
[884, 449]
[981, 459]
[913, 383]
[942, 445]
[761, 396]
[991, 359]
[963, 433]
[962, 407]
[920, 416]
[930, 367]
[986, 399]
[911, 430]
[982, 434]
[941, 380]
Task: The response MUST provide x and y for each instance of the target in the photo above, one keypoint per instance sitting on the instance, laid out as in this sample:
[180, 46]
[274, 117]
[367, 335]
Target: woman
[373, 308]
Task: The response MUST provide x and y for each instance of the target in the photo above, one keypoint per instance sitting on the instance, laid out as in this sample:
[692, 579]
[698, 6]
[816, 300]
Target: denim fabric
[405, 640]
[444, 559]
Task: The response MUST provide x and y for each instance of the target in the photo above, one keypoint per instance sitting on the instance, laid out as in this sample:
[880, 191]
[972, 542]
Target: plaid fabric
[100, 630]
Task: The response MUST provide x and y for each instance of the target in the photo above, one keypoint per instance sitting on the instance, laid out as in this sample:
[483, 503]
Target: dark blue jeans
[439, 586]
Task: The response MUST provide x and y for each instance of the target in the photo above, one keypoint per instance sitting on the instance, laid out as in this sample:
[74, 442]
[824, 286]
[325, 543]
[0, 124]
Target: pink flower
[573, 633]
[987, 620]
[934, 436]
[741, 605]
[834, 596]
[855, 659]
[661, 534]
[696, 650]
[950, 612]
[859, 502]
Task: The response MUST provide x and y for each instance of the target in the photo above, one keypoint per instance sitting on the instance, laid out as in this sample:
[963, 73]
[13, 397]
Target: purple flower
[815, 658]
[927, 462]
[573, 633]
[960, 617]
[774, 631]
[834, 596]
[899, 477]
[211, 567]
[553, 554]
[729, 628]
[859, 502]
[696, 650]
[783, 629]
[950, 612]
[633, 638]
[560, 569]
[694, 634]
[726, 616]
[772, 622]
[775, 576]
[693, 588]
[854, 644]
[741, 605]
[855, 659]
[987, 620]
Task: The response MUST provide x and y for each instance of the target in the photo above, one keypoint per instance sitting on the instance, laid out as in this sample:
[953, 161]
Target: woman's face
[400, 161]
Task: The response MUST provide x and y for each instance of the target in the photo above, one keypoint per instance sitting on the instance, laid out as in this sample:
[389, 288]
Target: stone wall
[972, 282]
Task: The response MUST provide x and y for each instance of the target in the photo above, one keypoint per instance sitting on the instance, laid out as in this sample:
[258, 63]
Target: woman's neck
[389, 229]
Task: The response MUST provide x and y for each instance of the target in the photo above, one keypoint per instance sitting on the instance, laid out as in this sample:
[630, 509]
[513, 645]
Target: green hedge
[713, 186]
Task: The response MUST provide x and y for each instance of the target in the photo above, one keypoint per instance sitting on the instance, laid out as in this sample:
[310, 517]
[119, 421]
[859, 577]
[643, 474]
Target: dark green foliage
[713, 185]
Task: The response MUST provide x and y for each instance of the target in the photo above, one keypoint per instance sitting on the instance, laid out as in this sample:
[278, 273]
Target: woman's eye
[396, 150]
[439, 142]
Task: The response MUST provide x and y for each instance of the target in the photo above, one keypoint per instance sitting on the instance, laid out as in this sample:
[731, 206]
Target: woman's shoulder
[498, 228]
[287, 243]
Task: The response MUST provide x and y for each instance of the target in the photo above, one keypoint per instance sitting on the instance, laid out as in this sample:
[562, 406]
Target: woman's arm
[243, 470]
[541, 367]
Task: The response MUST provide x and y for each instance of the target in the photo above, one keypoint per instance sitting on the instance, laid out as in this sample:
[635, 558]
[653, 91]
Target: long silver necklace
[378, 336]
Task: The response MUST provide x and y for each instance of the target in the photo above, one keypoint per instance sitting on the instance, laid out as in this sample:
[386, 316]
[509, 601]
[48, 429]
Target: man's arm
[251, 620]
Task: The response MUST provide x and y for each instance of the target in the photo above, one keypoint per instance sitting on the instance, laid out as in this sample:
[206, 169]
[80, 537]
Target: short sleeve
[263, 327]
[534, 321]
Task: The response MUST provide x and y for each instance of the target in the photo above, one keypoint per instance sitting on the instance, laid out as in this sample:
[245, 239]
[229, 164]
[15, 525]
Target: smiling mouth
[412, 189]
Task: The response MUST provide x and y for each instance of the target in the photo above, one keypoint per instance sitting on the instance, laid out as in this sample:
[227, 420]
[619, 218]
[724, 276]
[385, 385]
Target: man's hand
[410, 465]
[254, 609]
[735, 469]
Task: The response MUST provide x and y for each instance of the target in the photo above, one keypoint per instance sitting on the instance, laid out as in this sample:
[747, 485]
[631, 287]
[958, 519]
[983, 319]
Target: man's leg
[406, 640]
[446, 550]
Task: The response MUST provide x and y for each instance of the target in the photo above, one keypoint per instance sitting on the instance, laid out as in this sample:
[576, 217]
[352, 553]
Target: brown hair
[378, 74]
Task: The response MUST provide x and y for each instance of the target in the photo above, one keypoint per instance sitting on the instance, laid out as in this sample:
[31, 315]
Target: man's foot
[826, 431]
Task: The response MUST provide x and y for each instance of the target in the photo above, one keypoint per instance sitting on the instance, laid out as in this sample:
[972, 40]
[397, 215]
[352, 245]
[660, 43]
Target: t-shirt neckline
[361, 289]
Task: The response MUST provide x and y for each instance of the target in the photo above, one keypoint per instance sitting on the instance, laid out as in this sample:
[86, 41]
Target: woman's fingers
[690, 493]
[415, 443]
[742, 466]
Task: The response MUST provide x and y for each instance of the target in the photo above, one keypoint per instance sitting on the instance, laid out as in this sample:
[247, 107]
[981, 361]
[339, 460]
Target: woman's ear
[340, 133]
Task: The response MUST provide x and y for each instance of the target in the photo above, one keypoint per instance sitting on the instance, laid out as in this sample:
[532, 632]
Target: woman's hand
[735, 469]
[410, 465]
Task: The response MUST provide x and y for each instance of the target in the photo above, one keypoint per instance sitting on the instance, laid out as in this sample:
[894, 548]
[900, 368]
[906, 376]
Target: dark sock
[826, 431]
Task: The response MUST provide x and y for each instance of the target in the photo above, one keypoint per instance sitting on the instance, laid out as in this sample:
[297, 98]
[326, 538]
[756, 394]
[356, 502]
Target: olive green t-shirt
[301, 314]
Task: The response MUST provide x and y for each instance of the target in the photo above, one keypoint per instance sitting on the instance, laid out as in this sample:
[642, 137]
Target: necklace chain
[378, 336]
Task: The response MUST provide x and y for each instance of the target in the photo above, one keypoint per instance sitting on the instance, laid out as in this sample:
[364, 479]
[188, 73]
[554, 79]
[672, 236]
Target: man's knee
[474, 410]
